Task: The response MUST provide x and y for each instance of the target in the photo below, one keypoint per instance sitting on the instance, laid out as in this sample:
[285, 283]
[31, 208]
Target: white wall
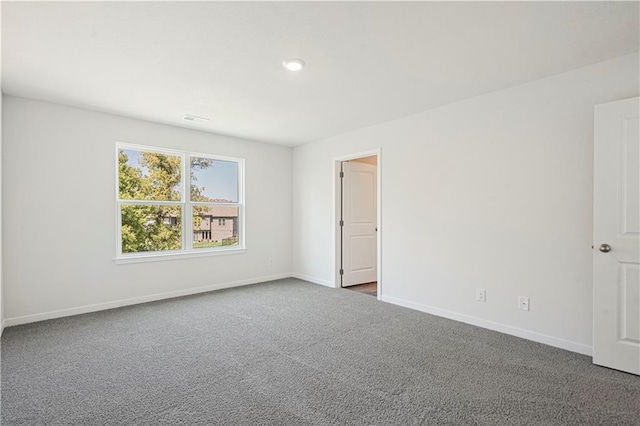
[1, 222]
[1, 273]
[492, 192]
[59, 212]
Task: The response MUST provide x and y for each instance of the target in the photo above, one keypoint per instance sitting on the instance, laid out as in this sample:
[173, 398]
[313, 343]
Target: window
[167, 202]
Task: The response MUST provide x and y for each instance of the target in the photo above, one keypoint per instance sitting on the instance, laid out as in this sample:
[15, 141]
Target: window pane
[214, 180]
[215, 226]
[146, 175]
[151, 228]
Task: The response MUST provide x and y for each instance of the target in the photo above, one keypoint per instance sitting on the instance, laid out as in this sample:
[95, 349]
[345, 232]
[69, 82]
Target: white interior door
[616, 295]
[359, 201]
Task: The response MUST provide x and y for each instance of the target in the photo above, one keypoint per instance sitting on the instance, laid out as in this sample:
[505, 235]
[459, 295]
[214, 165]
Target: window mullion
[119, 226]
[210, 203]
[150, 202]
[187, 210]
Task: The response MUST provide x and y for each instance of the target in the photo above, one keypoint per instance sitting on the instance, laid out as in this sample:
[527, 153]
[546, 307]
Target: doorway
[358, 218]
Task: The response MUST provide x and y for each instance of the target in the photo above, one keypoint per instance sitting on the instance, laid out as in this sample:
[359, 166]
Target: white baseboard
[8, 322]
[502, 328]
[312, 279]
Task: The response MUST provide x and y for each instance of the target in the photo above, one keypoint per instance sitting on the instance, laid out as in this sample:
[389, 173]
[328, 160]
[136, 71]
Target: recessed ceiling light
[293, 64]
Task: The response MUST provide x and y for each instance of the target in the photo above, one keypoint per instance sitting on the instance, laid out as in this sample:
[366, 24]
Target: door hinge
[341, 271]
[342, 223]
[341, 174]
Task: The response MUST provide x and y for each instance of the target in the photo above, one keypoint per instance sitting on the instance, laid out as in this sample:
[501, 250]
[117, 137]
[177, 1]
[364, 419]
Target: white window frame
[187, 250]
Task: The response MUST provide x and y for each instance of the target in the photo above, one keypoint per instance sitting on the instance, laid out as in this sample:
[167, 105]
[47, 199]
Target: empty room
[320, 213]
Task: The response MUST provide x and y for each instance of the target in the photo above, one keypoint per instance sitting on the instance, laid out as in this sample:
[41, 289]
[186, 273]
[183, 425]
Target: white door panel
[616, 305]
[359, 209]
[363, 254]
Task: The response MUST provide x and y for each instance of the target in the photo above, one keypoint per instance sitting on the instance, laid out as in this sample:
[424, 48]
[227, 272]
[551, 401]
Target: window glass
[214, 180]
[215, 226]
[145, 175]
[150, 228]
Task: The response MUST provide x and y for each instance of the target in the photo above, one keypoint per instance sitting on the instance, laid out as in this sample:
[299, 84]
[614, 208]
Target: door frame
[337, 204]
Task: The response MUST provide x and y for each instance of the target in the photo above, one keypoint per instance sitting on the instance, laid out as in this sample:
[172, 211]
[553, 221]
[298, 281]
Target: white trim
[186, 210]
[360, 154]
[176, 152]
[313, 280]
[502, 328]
[151, 202]
[336, 213]
[496, 326]
[9, 322]
[157, 256]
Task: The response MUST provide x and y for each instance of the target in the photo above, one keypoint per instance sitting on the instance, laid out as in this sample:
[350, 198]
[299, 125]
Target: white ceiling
[366, 62]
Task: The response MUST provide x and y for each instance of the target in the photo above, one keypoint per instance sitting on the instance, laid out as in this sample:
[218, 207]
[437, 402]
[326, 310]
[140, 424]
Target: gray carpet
[290, 352]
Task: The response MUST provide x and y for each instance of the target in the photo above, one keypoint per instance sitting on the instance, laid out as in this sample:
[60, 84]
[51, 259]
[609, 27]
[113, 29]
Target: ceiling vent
[195, 118]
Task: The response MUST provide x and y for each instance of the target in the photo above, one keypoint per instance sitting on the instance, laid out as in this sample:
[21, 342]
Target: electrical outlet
[481, 295]
[523, 303]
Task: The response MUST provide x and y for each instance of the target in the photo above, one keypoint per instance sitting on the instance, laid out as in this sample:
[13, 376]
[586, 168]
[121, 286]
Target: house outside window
[168, 201]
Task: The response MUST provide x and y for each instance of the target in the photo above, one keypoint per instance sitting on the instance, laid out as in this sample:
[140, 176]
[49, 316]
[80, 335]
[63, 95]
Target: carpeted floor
[290, 352]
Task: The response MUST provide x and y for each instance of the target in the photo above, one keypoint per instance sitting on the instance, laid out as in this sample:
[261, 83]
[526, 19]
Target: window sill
[156, 257]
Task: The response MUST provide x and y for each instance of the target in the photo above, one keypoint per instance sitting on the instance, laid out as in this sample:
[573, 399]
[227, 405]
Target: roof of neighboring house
[217, 211]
